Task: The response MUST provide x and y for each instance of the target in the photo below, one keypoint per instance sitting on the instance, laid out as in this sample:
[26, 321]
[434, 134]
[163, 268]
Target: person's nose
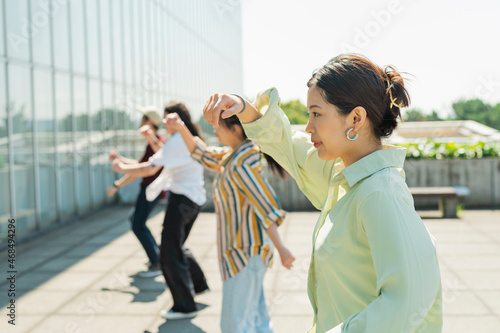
[310, 127]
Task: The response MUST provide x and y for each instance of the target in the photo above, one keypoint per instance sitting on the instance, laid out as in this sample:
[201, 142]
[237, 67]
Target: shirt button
[332, 198]
[316, 284]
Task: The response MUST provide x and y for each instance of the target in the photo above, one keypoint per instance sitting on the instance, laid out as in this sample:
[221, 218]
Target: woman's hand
[111, 191]
[173, 123]
[146, 131]
[117, 166]
[113, 154]
[287, 257]
[217, 104]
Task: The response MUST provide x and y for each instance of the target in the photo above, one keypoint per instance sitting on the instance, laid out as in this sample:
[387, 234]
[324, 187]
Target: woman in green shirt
[373, 266]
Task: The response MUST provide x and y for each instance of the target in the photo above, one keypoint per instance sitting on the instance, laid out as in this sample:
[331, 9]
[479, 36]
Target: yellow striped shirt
[245, 204]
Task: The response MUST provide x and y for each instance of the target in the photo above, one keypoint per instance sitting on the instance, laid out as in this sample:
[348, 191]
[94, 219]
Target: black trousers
[182, 273]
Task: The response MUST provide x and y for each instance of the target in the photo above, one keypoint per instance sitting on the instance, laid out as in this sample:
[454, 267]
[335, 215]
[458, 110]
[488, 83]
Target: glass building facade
[72, 73]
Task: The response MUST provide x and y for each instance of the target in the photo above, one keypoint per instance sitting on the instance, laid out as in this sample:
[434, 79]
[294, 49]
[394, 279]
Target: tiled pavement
[82, 277]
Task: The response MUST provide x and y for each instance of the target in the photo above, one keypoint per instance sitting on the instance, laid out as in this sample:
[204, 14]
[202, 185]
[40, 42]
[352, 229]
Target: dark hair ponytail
[183, 112]
[349, 80]
[397, 97]
[273, 165]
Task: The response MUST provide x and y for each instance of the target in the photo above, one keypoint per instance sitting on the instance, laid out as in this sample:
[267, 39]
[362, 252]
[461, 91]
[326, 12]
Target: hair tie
[393, 100]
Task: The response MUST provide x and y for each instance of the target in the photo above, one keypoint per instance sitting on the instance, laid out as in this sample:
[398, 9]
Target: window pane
[60, 30]
[92, 40]
[2, 50]
[118, 55]
[17, 38]
[41, 32]
[5, 212]
[127, 25]
[138, 45]
[65, 148]
[105, 34]
[22, 142]
[77, 36]
[44, 116]
[96, 139]
[109, 116]
[82, 142]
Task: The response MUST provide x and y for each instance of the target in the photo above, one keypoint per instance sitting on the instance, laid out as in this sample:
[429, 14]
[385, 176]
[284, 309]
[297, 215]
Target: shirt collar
[385, 158]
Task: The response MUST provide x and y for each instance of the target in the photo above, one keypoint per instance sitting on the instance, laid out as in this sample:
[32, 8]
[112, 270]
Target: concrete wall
[481, 176]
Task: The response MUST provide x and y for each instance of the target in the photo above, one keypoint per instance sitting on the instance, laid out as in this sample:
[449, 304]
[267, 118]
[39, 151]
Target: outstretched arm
[115, 155]
[144, 169]
[125, 180]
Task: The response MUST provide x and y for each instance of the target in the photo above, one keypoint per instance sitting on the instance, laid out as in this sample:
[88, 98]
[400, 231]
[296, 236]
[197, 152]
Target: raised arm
[154, 142]
[266, 124]
[209, 157]
[174, 122]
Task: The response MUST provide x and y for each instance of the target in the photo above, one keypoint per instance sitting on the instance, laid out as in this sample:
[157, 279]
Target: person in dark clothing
[183, 178]
[150, 123]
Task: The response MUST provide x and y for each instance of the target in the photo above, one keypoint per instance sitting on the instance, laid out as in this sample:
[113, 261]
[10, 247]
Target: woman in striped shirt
[247, 209]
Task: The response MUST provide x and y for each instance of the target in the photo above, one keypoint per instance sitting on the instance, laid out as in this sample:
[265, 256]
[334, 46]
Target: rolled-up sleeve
[293, 150]
[208, 156]
[405, 262]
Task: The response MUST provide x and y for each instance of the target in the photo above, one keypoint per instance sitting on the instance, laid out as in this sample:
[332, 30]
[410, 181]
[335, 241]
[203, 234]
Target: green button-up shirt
[374, 266]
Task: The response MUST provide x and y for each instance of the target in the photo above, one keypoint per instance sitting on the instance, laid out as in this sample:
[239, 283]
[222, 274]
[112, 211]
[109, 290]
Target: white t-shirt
[181, 174]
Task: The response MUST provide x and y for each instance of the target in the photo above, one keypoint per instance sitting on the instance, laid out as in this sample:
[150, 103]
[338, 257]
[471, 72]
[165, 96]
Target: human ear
[357, 118]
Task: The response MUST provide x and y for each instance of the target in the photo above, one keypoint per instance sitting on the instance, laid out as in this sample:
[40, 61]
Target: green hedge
[435, 150]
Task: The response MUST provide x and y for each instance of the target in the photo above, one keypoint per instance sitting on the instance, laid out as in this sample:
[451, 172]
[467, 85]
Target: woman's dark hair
[182, 111]
[277, 169]
[349, 80]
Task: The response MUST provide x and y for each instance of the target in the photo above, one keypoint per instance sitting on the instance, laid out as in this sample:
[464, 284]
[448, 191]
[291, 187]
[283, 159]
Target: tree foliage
[473, 109]
[418, 115]
[296, 112]
[476, 109]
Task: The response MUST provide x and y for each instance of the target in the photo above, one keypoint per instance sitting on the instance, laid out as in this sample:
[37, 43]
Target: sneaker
[172, 315]
[152, 271]
[204, 291]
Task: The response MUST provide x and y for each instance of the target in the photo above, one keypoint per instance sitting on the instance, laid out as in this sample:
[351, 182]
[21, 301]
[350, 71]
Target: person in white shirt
[183, 178]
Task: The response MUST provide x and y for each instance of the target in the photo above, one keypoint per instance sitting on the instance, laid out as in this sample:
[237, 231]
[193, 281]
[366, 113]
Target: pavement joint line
[84, 290]
[469, 288]
[54, 257]
[484, 233]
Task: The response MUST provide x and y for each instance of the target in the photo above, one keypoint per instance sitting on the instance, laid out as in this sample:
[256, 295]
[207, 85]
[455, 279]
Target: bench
[449, 197]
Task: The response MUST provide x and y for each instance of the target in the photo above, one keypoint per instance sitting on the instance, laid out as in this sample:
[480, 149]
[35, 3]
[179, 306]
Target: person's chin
[325, 156]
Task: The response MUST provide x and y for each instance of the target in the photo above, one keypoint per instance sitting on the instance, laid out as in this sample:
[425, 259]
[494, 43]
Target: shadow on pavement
[181, 325]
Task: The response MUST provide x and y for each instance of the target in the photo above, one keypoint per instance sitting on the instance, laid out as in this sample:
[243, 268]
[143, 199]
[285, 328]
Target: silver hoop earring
[354, 137]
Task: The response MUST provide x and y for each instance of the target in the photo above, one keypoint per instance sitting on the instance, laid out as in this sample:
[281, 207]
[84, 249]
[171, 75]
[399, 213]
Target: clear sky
[452, 48]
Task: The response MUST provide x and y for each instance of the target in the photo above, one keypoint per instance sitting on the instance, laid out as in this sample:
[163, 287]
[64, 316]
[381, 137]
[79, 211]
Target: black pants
[183, 274]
